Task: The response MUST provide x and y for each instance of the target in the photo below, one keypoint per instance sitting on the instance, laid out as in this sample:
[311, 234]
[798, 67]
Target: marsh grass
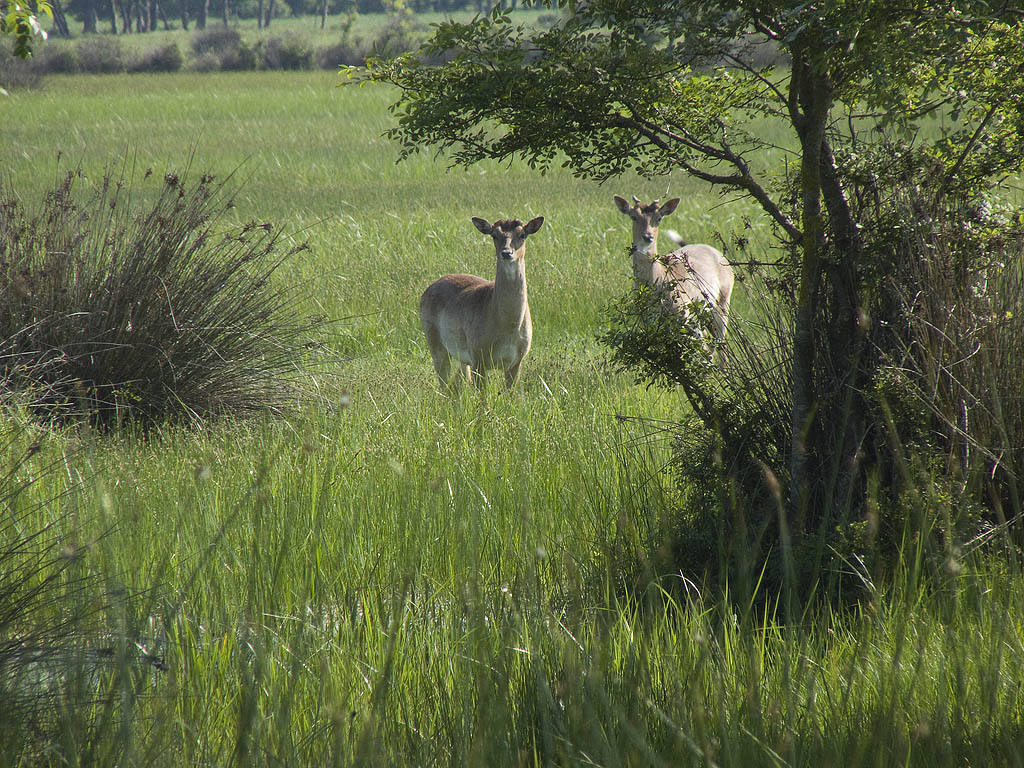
[387, 576]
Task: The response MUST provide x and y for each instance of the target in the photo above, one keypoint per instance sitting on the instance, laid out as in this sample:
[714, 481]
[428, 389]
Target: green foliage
[21, 20]
[119, 316]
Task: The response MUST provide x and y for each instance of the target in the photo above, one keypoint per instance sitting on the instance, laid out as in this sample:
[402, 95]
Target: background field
[386, 576]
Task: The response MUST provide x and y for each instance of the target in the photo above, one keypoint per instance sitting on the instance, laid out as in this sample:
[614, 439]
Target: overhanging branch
[741, 180]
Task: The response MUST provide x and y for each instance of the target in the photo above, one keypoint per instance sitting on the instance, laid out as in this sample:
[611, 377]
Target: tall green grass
[389, 577]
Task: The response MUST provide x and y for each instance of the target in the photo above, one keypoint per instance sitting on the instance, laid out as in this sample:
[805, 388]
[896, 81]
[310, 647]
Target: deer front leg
[477, 374]
[512, 374]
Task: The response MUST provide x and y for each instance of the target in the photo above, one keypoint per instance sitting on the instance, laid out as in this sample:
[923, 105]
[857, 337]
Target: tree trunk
[846, 335]
[162, 15]
[259, 14]
[89, 17]
[113, 17]
[60, 21]
[323, 14]
[126, 16]
[815, 99]
[184, 15]
[204, 11]
[227, 11]
[270, 13]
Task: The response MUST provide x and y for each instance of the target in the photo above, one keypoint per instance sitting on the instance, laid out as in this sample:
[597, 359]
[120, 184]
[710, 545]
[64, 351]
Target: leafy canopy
[648, 86]
[19, 19]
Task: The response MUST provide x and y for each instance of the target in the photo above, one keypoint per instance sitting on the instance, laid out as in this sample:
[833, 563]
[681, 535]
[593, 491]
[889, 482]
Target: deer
[690, 273]
[482, 324]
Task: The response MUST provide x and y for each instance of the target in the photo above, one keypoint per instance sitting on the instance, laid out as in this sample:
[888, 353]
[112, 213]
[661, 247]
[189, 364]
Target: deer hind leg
[721, 314]
[439, 356]
[477, 374]
[512, 374]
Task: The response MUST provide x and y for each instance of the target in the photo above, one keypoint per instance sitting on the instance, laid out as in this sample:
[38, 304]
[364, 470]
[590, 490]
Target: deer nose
[648, 237]
[506, 253]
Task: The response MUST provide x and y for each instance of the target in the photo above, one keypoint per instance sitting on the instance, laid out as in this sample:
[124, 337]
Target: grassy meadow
[384, 576]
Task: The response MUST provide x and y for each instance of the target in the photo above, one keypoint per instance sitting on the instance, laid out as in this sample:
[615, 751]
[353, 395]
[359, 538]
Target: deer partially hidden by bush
[482, 324]
[691, 273]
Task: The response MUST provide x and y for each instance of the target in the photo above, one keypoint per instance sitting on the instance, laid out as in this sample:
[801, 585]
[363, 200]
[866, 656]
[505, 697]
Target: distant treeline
[127, 16]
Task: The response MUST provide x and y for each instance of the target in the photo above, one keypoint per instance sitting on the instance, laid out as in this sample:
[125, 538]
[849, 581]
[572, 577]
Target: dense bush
[216, 48]
[218, 40]
[166, 58]
[56, 59]
[244, 57]
[400, 34]
[346, 53]
[124, 317]
[16, 73]
[100, 55]
[286, 53]
[225, 46]
[206, 62]
[350, 51]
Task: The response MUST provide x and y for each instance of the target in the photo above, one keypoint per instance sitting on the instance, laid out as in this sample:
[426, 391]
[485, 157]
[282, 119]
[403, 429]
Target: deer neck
[648, 268]
[509, 298]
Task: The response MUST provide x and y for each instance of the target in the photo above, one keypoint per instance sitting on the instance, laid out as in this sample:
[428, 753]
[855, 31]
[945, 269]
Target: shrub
[222, 47]
[206, 62]
[56, 59]
[399, 35]
[287, 53]
[100, 55]
[166, 58]
[17, 73]
[218, 40]
[347, 53]
[142, 318]
[243, 57]
[949, 373]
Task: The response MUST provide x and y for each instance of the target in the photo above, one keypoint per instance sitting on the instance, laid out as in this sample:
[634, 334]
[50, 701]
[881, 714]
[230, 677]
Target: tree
[89, 17]
[19, 19]
[650, 86]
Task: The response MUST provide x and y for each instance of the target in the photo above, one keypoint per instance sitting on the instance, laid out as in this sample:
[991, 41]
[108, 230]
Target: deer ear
[482, 225]
[669, 206]
[622, 204]
[533, 225]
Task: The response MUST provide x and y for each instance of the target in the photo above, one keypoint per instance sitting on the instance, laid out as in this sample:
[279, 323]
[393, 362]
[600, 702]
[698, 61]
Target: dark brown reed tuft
[119, 314]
